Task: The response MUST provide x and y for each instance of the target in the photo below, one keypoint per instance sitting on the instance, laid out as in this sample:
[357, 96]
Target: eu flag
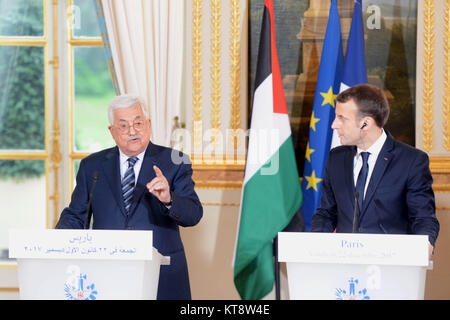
[355, 63]
[320, 132]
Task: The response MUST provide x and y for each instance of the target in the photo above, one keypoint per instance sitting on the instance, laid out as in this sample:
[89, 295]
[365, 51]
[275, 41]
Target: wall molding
[428, 75]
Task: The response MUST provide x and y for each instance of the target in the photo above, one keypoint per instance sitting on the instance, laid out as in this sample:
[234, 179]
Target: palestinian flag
[271, 193]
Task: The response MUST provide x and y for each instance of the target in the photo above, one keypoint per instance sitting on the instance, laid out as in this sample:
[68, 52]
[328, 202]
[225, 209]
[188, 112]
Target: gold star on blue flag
[328, 97]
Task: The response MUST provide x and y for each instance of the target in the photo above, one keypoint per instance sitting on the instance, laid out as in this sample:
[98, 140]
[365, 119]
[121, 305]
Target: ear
[366, 122]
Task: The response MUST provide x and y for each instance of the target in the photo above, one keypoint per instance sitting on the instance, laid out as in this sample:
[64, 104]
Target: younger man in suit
[389, 182]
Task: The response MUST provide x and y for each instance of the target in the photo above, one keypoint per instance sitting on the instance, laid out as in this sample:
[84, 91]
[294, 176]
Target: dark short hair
[370, 100]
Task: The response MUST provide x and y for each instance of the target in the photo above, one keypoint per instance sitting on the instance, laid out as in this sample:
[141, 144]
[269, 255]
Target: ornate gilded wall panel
[433, 99]
[428, 74]
[216, 91]
[446, 84]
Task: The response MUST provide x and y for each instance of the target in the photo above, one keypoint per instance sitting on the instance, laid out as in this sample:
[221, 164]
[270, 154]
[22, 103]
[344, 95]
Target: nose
[334, 124]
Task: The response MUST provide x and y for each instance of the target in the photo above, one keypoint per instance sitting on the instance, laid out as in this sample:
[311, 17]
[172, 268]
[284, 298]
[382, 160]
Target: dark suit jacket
[399, 198]
[146, 211]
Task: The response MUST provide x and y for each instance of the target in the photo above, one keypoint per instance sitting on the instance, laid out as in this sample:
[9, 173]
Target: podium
[343, 266]
[86, 264]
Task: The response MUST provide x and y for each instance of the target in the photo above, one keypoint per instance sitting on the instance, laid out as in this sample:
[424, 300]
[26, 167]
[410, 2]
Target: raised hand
[159, 186]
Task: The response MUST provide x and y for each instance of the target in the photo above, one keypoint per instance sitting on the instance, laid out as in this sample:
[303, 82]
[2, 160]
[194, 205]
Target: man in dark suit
[389, 182]
[140, 186]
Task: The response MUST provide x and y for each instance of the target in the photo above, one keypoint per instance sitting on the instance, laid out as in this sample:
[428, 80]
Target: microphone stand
[355, 213]
[87, 220]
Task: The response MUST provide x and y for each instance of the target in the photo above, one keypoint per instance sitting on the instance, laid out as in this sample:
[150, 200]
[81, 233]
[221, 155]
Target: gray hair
[125, 101]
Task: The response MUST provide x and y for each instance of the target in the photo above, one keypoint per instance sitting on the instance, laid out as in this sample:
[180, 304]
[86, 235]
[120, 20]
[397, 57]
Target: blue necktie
[128, 183]
[362, 177]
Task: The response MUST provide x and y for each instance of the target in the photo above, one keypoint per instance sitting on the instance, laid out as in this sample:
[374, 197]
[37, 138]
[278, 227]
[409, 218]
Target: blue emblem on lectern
[352, 293]
[79, 290]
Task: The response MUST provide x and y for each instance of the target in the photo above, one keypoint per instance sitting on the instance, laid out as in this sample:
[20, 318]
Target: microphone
[355, 213]
[364, 125]
[87, 220]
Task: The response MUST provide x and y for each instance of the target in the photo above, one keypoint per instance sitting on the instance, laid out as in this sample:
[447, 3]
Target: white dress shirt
[374, 151]
[137, 168]
[124, 165]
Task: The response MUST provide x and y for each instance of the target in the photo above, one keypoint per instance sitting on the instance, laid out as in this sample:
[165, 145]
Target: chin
[131, 152]
[346, 141]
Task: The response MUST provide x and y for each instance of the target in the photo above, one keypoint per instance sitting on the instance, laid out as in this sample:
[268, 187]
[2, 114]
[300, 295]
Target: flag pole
[277, 269]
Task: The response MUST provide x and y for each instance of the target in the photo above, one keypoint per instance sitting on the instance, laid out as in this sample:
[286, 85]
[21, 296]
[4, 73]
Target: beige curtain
[146, 39]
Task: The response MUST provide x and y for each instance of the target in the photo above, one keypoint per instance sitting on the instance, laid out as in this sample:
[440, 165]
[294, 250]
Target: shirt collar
[124, 158]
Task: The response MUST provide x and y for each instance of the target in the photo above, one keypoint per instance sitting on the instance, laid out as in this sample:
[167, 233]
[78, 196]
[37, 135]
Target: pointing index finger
[157, 171]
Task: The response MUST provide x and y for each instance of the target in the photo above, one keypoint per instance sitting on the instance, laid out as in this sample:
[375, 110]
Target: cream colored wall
[433, 126]
[438, 279]
[210, 245]
[8, 281]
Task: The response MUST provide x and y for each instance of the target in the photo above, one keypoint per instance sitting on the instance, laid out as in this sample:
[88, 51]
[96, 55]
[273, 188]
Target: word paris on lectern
[354, 266]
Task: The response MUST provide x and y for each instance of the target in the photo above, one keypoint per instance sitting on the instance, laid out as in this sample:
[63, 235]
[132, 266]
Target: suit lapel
[112, 174]
[349, 174]
[384, 158]
[146, 174]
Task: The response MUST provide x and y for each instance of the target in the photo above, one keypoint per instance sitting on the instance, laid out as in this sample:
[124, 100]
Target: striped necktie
[128, 183]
